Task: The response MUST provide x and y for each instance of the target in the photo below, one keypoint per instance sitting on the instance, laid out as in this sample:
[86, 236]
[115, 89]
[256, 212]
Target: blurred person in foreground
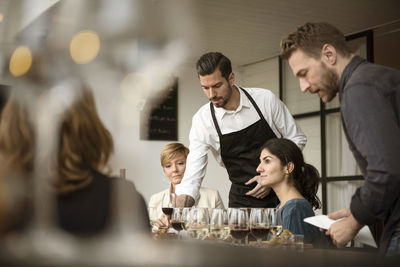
[295, 182]
[173, 161]
[369, 97]
[84, 191]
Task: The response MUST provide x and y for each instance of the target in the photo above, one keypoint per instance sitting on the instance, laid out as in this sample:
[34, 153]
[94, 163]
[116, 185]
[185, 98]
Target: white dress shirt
[203, 136]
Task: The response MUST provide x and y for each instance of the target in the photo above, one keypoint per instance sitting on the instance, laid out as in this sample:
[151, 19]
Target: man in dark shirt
[370, 108]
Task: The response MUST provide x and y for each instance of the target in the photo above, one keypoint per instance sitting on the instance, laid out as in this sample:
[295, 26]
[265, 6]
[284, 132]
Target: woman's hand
[261, 190]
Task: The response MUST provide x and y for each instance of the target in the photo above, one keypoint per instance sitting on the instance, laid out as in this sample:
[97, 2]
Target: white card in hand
[322, 221]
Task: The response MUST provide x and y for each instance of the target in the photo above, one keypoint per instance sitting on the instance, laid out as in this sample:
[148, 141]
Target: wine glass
[179, 219]
[186, 220]
[153, 217]
[198, 223]
[259, 224]
[217, 224]
[168, 202]
[226, 225]
[238, 224]
[275, 221]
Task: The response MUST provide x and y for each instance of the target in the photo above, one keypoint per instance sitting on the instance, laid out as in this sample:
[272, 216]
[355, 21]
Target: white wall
[263, 74]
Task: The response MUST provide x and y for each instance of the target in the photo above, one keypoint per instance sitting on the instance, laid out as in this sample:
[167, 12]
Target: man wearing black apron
[238, 148]
[240, 152]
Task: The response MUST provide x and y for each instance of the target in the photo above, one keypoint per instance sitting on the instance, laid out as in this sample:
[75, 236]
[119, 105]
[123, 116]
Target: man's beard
[224, 100]
[329, 83]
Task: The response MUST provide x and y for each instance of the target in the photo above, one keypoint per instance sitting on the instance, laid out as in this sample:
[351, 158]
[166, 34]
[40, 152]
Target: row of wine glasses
[234, 222]
[260, 222]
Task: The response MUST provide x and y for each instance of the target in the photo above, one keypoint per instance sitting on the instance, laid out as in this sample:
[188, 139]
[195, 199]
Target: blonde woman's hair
[85, 145]
[171, 150]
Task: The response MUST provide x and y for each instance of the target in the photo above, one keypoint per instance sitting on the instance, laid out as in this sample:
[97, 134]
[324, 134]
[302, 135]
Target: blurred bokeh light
[21, 61]
[84, 46]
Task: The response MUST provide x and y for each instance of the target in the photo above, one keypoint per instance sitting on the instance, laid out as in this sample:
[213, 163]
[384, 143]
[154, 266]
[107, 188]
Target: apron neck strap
[252, 102]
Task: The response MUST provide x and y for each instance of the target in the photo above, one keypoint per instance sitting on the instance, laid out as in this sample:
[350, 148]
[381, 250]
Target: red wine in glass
[167, 211]
[260, 231]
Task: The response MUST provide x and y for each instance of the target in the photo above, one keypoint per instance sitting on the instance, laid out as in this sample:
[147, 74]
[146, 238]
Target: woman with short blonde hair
[171, 150]
[173, 161]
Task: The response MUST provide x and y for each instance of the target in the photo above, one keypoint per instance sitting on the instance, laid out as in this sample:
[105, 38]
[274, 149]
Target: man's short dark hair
[311, 37]
[209, 62]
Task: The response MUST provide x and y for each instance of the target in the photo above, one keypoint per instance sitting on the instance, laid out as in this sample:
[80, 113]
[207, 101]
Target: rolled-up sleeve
[196, 163]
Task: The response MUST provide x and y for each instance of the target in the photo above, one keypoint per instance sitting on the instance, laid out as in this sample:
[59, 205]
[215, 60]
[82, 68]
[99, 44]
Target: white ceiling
[250, 30]
[246, 31]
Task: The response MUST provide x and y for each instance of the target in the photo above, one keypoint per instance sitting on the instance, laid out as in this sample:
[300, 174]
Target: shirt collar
[348, 71]
[244, 102]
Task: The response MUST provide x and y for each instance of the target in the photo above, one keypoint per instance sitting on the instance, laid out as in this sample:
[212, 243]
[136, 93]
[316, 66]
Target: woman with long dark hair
[295, 182]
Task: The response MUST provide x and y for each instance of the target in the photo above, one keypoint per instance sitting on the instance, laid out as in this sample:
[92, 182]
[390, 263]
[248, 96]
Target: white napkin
[322, 221]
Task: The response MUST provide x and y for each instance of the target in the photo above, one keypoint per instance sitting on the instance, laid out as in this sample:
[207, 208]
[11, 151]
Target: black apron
[240, 152]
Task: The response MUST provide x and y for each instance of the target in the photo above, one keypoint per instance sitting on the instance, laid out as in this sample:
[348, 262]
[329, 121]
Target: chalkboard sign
[159, 117]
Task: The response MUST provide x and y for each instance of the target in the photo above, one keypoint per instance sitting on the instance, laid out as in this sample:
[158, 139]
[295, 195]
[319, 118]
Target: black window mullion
[344, 178]
[280, 78]
[306, 115]
[332, 110]
[323, 159]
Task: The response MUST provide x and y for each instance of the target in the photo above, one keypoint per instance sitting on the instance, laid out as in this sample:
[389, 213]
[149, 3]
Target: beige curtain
[340, 163]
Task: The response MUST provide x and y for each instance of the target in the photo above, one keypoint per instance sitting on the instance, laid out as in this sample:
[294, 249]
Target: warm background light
[1, 17]
[21, 61]
[84, 47]
[135, 86]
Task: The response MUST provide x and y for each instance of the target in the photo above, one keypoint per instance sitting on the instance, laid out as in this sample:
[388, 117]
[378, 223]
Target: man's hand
[344, 230]
[163, 221]
[184, 201]
[261, 190]
[339, 214]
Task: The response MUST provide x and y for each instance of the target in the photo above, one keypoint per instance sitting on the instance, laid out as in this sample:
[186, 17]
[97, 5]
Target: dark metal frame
[323, 112]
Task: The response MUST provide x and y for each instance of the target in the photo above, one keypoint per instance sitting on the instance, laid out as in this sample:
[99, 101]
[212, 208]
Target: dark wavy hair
[209, 62]
[311, 37]
[305, 177]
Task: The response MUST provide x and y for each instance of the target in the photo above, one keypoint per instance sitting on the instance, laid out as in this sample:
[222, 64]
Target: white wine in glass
[198, 223]
[217, 227]
[275, 221]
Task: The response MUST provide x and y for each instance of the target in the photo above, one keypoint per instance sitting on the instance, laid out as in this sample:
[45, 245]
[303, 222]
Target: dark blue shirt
[293, 213]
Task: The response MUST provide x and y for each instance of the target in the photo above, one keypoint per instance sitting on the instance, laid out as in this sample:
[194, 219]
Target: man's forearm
[183, 201]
